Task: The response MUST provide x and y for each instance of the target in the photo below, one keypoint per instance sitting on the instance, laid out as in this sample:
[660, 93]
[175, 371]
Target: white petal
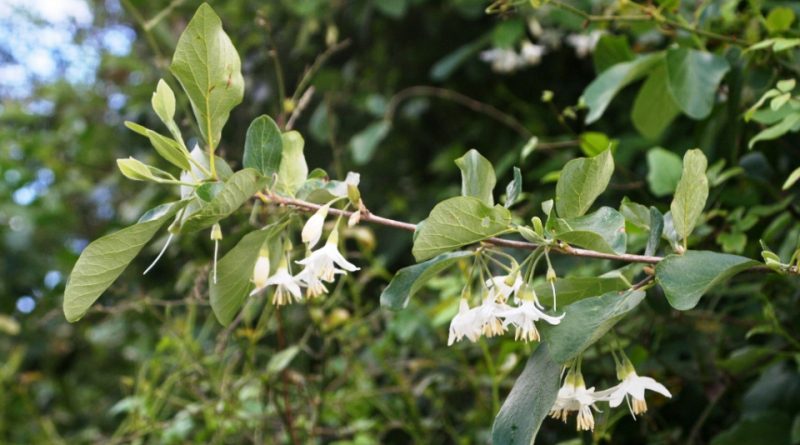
[337, 257]
[312, 231]
[653, 385]
[615, 399]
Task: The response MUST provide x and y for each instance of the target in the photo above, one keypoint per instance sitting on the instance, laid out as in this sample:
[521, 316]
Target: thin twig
[501, 242]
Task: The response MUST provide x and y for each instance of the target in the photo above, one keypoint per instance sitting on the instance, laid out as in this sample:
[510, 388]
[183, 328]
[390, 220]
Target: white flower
[503, 60]
[502, 286]
[261, 272]
[321, 264]
[574, 396]
[286, 287]
[633, 387]
[584, 43]
[312, 231]
[531, 54]
[524, 316]
[490, 318]
[464, 324]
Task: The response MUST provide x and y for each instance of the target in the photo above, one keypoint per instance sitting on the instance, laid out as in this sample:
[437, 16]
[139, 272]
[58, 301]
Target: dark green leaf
[602, 90]
[263, 146]
[238, 189]
[581, 181]
[685, 278]
[611, 50]
[477, 176]
[293, 170]
[106, 258]
[690, 194]
[235, 271]
[586, 321]
[514, 188]
[209, 70]
[654, 108]
[363, 145]
[529, 401]
[663, 171]
[409, 280]
[569, 290]
[656, 228]
[693, 78]
[457, 222]
[603, 231]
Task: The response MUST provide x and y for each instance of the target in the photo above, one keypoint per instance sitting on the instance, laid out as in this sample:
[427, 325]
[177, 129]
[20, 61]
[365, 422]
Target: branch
[501, 242]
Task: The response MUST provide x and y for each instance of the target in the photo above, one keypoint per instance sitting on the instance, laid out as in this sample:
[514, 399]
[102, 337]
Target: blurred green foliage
[400, 101]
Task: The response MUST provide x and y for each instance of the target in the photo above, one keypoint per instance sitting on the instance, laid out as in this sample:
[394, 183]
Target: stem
[501, 242]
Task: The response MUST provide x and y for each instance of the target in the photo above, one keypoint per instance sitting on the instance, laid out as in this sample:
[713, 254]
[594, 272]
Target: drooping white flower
[286, 287]
[321, 264]
[312, 230]
[489, 316]
[574, 396]
[524, 316]
[502, 287]
[531, 54]
[584, 43]
[464, 324]
[632, 388]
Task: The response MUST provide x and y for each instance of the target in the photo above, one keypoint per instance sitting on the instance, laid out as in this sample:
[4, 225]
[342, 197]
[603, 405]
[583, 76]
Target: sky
[43, 41]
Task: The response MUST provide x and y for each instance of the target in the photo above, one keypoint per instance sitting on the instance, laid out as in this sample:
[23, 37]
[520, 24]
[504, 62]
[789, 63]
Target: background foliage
[400, 101]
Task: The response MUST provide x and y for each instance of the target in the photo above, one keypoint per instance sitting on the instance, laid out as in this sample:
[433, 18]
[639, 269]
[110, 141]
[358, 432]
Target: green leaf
[409, 280]
[586, 321]
[603, 231]
[235, 271]
[281, 360]
[656, 228]
[570, 290]
[209, 190]
[793, 177]
[457, 222]
[238, 189]
[514, 188]
[690, 194]
[602, 90]
[593, 143]
[529, 401]
[611, 50]
[693, 78]
[293, 171]
[477, 176]
[209, 70]
[780, 19]
[363, 144]
[163, 102]
[654, 108]
[685, 278]
[263, 146]
[581, 181]
[104, 260]
[138, 171]
[447, 65]
[786, 125]
[663, 171]
[166, 147]
[635, 213]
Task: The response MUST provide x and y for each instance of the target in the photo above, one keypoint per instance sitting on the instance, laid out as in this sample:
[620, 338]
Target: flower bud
[312, 231]
[261, 270]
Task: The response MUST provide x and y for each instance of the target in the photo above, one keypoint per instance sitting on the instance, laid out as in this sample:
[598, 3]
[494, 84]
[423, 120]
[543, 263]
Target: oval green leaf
[409, 280]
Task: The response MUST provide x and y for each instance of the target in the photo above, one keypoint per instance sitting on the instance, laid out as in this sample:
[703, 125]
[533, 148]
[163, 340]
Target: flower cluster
[320, 266]
[494, 315]
[574, 396]
[506, 60]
